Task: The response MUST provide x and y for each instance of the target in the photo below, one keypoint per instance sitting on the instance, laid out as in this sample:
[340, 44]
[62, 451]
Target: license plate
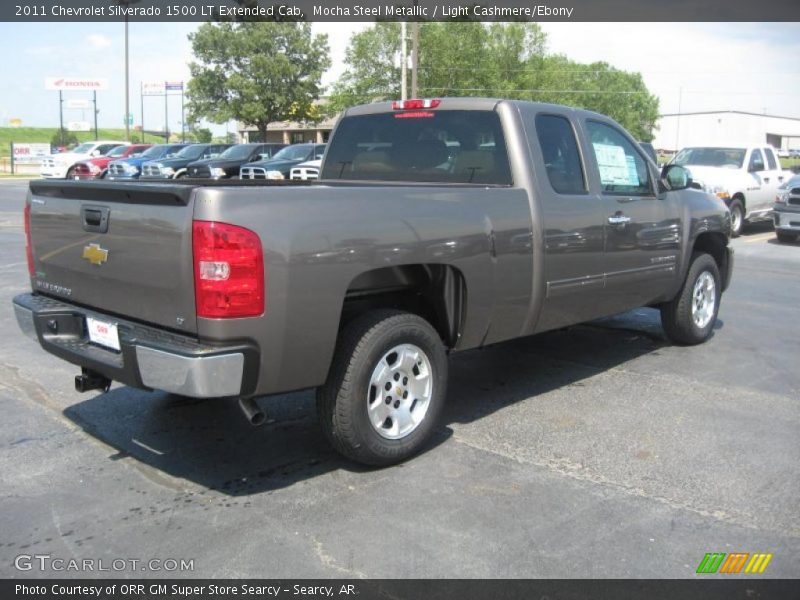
[103, 333]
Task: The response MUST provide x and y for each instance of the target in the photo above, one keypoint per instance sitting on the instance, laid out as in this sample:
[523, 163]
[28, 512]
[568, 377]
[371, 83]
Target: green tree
[62, 137]
[255, 72]
[504, 60]
[201, 135]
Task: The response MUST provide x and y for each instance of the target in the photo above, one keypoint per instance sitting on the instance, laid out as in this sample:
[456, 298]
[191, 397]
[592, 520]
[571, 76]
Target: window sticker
[615, 167]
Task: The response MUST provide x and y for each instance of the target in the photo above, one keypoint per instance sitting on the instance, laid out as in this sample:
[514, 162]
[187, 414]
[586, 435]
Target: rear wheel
[385, 389]
[785, 238]
[737, 217]
[689, 317]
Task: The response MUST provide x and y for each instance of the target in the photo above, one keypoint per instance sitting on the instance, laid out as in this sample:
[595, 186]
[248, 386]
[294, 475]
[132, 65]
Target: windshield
[192, 152]
[83, 149]
[118, 151]
[452, 146]
[298, 152]
[153, 152]
[732, 158]
[237, 152]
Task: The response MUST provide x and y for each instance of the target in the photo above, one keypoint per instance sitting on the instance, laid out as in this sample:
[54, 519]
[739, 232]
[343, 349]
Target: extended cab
[436, 226]
[745, 177]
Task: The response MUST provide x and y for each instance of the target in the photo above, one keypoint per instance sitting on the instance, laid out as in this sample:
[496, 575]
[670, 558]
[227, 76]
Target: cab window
[756, 161]
[562, 160]
[623, 170]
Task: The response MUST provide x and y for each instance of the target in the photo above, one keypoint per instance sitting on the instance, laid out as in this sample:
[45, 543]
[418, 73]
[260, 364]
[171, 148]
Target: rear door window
[773, 164]
[448, 146]
[562, 160]
[623, 170]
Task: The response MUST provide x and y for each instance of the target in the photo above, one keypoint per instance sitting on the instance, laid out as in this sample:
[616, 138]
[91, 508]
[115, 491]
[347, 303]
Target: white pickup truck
[745, 177]
[58, 166]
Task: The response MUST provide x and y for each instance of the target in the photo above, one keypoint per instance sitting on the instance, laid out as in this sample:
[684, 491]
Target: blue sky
[712, 66]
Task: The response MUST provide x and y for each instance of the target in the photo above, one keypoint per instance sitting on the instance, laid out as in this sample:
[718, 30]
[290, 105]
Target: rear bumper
[150, 358]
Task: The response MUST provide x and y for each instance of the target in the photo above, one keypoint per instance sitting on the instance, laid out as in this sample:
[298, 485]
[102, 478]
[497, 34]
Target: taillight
[228, 271]
[415, 104]
[28, 248]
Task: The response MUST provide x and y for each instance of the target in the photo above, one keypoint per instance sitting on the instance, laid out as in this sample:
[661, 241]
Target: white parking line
[760, 238]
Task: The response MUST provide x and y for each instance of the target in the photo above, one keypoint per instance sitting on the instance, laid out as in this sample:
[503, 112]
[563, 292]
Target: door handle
[766, 179]
[780, 178]
[619, 219]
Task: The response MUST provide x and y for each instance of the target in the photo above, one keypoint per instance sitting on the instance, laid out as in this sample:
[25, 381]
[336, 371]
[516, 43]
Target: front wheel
[689, 317]
[385, 389]
[784, 237]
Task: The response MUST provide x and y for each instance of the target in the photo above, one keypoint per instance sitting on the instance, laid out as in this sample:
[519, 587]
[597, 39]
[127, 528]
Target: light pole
[126, 4]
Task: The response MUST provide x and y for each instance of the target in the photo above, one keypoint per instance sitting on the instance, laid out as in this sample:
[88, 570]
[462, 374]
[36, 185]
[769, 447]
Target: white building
[726, 127]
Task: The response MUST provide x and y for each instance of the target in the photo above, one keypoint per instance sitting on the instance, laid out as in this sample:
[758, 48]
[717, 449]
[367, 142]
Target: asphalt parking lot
[598, 451]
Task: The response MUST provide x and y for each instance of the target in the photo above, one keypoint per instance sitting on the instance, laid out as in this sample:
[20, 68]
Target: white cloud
[98, 41]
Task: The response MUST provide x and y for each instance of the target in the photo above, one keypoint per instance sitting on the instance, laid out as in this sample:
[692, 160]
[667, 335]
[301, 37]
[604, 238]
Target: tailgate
[120, 248]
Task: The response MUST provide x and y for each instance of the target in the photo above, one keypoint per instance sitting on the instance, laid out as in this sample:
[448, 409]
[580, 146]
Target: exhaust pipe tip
[252, 412]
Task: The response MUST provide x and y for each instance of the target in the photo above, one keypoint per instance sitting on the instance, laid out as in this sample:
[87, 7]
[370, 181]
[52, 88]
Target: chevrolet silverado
[436, 226]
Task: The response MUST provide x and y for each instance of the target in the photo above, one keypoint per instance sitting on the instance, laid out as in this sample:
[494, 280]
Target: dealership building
[726, 128]
[289, 132]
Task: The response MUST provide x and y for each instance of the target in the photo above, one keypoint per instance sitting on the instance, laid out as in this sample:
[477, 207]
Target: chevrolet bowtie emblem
[95, 254]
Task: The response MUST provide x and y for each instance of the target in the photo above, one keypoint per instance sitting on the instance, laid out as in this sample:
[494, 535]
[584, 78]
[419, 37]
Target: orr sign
[29, 153]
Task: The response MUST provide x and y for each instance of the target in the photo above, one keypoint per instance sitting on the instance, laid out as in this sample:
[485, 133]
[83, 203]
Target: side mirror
[95, 152]
[674, 178]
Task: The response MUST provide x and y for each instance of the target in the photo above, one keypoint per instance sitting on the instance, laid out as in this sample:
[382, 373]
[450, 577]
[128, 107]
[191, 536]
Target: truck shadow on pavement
[209, 442]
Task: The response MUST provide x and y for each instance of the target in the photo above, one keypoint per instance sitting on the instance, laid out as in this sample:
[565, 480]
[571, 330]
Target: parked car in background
[228, 163]
[57, 166]
[175, 167]
[96, 168]
[786, 212]
[745, 177]
[131, 167]
[306, 171]
[280, 165]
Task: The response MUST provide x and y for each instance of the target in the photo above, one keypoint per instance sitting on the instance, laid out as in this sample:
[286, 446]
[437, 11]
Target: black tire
[676, 315]
[342, 403]
[786, 238]
[737, 217]
[70, 173]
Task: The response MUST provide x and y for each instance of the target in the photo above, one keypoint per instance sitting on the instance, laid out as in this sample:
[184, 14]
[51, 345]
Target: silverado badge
[95, 254]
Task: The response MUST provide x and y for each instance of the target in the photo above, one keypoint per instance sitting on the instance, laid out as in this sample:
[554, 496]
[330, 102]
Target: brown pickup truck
[436, 226]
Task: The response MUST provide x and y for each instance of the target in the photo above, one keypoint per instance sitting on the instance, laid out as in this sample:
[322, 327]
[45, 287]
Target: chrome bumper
[150, 357]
